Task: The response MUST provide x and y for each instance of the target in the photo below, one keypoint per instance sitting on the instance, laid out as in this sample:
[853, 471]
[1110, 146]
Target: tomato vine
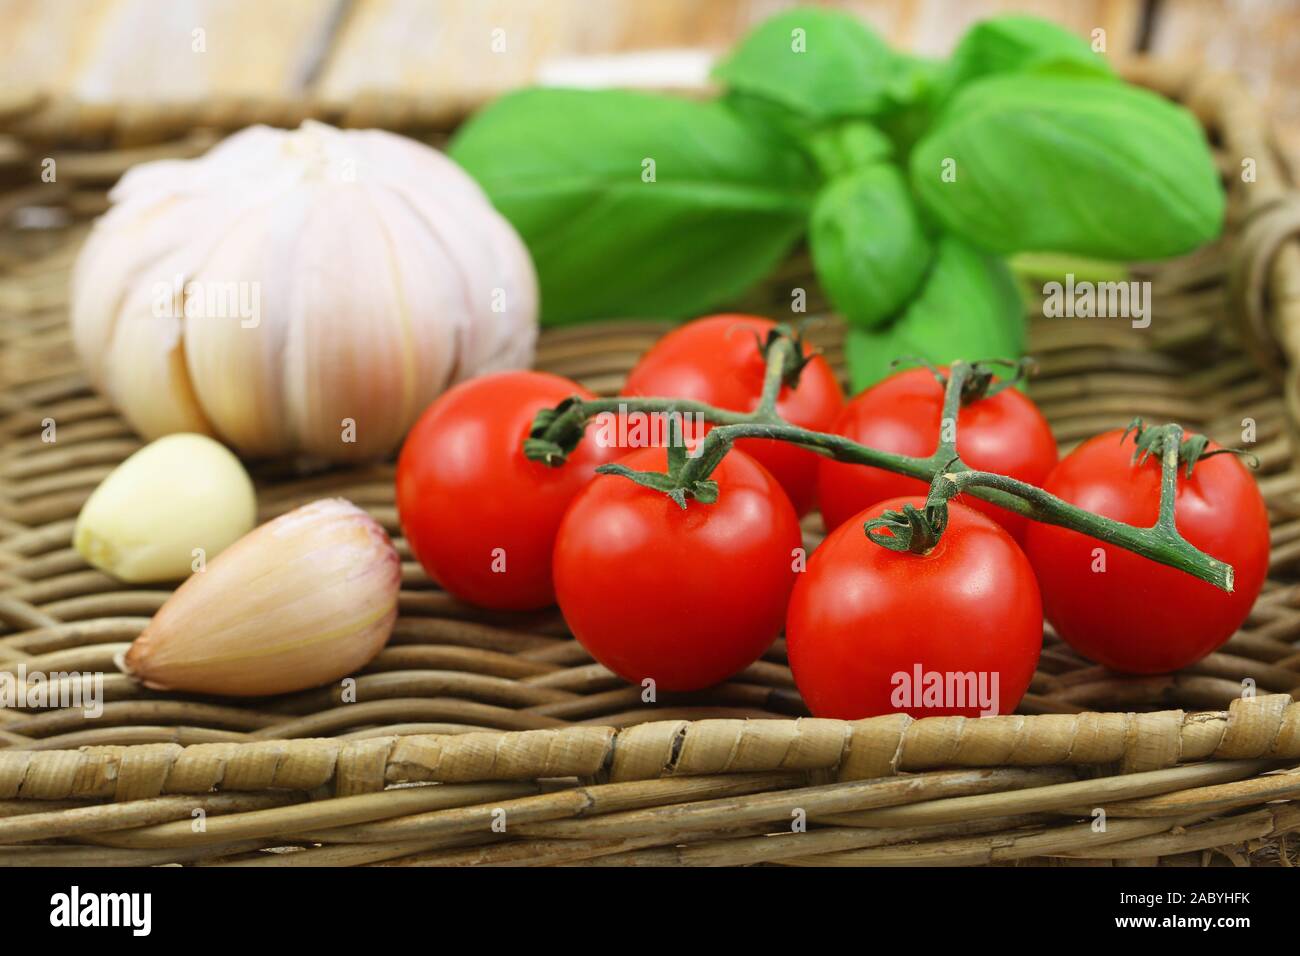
[557, 431]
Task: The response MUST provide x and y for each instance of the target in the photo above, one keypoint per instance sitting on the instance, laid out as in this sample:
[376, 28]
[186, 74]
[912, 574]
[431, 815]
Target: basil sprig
[909, 179]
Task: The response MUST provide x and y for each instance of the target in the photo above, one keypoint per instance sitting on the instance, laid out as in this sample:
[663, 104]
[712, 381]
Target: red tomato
[1004, 433]
[684, 597]
[955, 631]
[479, 516]
[716, 360]
[1139, 616]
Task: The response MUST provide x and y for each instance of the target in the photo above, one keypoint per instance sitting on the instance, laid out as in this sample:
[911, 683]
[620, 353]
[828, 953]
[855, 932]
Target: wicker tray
[487, 738]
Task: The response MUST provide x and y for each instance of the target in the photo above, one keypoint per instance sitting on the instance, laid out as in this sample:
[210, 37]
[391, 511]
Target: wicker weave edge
[1252, 728]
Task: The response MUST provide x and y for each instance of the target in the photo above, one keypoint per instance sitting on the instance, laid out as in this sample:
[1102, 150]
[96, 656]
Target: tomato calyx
[793, 357]
[556, 432]
[918, 530]
[981, 380]
[912, 529]
[679, 482]
[1155, 440]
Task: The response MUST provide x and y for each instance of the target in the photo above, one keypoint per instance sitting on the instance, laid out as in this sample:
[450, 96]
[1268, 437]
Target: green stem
[613, 406]
[1169, 479]
[779, 355]
[947, 475]
[1161, 542]
[953, 393]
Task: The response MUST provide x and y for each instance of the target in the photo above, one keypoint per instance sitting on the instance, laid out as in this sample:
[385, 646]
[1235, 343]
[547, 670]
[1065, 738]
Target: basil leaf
[969, 308]
[568, 168]
[833, 147]
[867, 243]
[914, 97]
[778, 120]
[822, 64]
[1011, 44]
[840, 148]
[1069, 163]
[915, 78]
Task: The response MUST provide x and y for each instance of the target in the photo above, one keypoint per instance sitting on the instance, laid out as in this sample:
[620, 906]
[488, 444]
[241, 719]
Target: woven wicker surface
[519, 727]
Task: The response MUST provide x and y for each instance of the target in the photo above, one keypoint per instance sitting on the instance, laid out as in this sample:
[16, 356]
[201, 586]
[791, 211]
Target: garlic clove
[300, 601]
[348, 362]
[426, 282]
[242, 341]
[498, 289]
[147, 518]
[156, 397]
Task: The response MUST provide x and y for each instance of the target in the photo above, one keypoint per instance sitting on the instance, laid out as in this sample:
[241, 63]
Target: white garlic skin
[302, 600]
[175, 495]
[353, 276]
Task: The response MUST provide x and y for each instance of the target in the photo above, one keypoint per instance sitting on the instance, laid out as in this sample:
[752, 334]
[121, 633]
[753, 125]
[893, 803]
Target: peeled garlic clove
[300, 601]
[169, 508]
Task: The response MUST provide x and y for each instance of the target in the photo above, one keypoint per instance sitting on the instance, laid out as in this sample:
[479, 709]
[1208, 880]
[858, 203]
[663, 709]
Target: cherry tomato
[1126, 611]
[478, 515]
[955, 631]
[716, 360]
[685, 597]
[1003, 433]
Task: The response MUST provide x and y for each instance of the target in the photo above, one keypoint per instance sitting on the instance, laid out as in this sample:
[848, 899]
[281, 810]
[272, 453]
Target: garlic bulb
[302, 600]
[166, 510]
[306, 291]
